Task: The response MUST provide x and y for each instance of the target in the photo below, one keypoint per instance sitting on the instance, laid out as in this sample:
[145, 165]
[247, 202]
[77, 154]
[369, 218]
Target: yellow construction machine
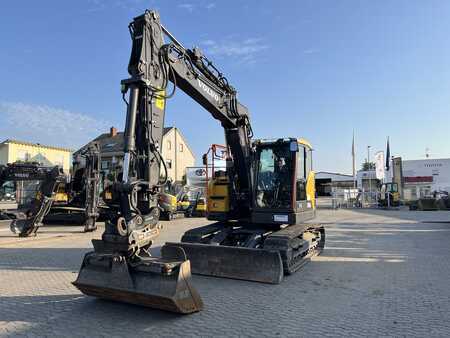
[261, 204]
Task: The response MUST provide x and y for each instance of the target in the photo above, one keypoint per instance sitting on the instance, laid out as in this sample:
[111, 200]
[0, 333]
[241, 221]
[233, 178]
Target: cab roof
[304, 142]
[301, 141]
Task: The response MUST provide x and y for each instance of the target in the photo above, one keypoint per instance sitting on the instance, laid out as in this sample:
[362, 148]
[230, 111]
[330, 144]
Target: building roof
[114, 144]
[34, 145]
[424, 160]
[333, 173]
[110, 143]
[334, 176]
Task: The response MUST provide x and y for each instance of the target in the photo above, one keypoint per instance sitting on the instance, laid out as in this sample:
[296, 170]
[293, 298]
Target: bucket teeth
[158, 283]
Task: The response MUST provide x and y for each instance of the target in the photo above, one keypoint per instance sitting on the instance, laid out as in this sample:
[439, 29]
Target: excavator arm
[84, 187]
[153, 64]
[121, 267]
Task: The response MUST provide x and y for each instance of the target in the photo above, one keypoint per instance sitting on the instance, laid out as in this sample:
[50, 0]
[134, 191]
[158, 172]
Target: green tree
[368, 166]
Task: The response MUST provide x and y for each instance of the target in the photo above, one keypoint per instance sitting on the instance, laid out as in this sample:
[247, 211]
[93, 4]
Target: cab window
[301, 174]
[308, 162]
[274, 180]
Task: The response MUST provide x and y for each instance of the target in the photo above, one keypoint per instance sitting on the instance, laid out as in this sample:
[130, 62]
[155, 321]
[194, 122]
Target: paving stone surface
[383, 273]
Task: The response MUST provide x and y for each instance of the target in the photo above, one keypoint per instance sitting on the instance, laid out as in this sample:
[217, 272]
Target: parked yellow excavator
[260, 204]
[44, 194]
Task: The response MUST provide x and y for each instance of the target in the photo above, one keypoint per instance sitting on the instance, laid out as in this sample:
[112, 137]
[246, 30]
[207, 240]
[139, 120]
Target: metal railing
[353, 198]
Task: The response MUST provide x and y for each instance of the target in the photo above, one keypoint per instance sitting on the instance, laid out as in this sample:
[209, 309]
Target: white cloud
[130, 5]
[48, 125]
[208, 43]
[187, 6]
[245, 51]
[191, 7]
[310, 51]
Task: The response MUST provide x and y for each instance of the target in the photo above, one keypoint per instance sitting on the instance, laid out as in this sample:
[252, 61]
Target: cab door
[305, 185]
[300, 184]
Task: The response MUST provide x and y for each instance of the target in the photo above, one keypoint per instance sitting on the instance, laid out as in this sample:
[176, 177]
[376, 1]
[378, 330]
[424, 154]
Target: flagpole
[353, 161]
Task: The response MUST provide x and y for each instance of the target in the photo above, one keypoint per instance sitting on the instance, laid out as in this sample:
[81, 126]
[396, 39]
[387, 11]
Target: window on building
[109, 145]
[169, 145]
[169, 164]
[181, 147]
[105, 164]
[23, 155]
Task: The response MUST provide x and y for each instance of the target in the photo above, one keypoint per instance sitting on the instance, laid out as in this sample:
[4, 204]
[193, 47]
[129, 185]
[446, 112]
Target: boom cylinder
[130, 131]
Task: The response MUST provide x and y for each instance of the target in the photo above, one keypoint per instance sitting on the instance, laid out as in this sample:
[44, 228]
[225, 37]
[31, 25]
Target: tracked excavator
[45, 191]
[38, 186]
[261, 203]
[82, 203]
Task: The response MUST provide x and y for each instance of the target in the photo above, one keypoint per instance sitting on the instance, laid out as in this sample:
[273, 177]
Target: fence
[353, 198]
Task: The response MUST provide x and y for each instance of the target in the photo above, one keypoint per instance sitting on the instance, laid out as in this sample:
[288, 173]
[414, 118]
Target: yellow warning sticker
[160, 100]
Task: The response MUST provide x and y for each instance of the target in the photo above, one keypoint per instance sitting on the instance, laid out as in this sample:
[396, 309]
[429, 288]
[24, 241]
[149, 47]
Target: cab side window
[301, 173]
[308, 162]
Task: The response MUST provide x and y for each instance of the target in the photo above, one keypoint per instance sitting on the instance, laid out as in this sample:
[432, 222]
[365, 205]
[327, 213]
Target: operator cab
[389, 195]
[389, 187]
[284, 182]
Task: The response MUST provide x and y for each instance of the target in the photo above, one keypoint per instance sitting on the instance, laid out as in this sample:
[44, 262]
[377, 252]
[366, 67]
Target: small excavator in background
[389, 195]
[261, 203]
[188, 202]
[45, 195]
[173, 205]
[81, 206]
[36, 194]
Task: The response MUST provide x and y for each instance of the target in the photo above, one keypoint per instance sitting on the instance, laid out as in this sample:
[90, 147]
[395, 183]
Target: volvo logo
[208, 90]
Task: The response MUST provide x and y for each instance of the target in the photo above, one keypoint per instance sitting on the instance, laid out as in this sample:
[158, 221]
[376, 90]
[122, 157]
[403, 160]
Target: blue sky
[314, 69]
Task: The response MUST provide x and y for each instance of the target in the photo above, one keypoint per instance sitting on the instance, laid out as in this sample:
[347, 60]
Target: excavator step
[162, 283]
[282, 252]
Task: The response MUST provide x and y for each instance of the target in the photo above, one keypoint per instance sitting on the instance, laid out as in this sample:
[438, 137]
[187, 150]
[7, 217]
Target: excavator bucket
[29, 225]
[162, 283]
[23, 227]
[256, 265]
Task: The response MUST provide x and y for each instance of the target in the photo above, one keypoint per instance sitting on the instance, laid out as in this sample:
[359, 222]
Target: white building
[367, 180]
[423, 177]
[175, 151]
[325, 181]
